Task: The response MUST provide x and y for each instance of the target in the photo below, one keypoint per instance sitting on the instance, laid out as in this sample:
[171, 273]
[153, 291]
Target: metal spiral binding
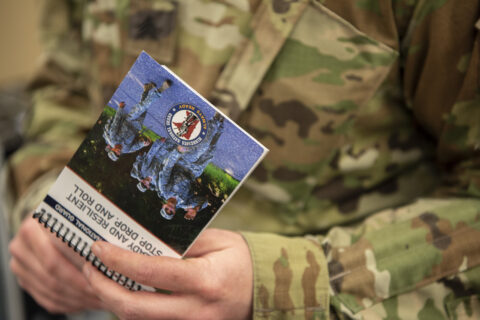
[80, 246]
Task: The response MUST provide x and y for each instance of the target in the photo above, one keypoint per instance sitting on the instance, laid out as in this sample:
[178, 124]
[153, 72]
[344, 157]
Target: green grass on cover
[219, 180]
[150, 134]
[109, 111]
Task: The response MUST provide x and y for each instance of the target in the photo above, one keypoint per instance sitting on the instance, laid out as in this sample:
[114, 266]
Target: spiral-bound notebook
[154, 170]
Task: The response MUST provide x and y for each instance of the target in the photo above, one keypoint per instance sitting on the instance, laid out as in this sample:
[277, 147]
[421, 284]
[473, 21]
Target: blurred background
[19, 54]
[20, 40]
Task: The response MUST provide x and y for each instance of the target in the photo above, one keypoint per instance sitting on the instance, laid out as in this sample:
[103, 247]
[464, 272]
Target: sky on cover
[236, 152]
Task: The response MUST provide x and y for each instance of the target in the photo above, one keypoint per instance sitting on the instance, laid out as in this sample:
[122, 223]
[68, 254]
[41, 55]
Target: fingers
[52, 261]
[67, 251]
[23, 256]
[53, 301]
[43, 271]
[160, 272]
[217, 285]
[139, 305]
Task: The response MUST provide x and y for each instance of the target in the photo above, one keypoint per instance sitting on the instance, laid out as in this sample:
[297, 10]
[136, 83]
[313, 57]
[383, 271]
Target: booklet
[152, 173]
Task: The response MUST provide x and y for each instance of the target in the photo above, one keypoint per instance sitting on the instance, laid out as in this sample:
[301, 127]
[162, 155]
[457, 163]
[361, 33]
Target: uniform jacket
[371, 112]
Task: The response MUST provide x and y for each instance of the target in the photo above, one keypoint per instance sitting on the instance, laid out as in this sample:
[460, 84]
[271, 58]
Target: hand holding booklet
[154, 170]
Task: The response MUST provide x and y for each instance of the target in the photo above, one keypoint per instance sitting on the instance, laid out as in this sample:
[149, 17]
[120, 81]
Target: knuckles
[210, 288]
[28, 228]
[53, 284]
[208, 284]
[50, 264]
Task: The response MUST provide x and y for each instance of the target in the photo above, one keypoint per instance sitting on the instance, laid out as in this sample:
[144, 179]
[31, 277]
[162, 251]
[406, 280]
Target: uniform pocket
[119, 31]
[306, 106]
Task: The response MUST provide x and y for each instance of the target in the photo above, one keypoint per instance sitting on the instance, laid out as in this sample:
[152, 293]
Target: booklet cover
[155, 169]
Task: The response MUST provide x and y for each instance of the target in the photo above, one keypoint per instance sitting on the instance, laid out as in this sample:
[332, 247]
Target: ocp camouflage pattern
[371, 112]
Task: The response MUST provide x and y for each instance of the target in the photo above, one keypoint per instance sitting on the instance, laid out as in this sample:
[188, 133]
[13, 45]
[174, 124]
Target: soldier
[177, 181]
[169, 208]
[122, 133]
[147, 166]
[171, 170]
[370, 111]
[150, 95]
[177, 178]
[183, 194]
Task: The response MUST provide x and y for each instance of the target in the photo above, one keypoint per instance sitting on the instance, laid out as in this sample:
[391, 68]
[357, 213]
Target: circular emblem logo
[186, 124]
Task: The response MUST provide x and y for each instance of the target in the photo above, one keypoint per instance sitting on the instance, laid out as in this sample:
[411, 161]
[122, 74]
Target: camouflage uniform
[124, 129]
[172, 172]
[178, 182]
[177, 177]
[151, 163]
[121, 131]
[370, 109]
[139, 111]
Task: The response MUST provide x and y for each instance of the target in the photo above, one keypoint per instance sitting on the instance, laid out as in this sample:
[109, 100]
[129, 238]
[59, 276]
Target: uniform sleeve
[373, 265]
[60, 112]
[290, 277]
[418, 260]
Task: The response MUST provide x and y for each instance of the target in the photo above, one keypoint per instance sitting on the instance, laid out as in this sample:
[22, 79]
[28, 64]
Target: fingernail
[97, 248]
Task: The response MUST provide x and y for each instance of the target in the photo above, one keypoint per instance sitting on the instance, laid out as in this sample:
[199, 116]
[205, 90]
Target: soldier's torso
[320, 85]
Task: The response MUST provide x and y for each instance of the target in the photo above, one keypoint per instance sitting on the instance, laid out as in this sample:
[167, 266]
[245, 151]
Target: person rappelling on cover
[177, 182]
[122, 133]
